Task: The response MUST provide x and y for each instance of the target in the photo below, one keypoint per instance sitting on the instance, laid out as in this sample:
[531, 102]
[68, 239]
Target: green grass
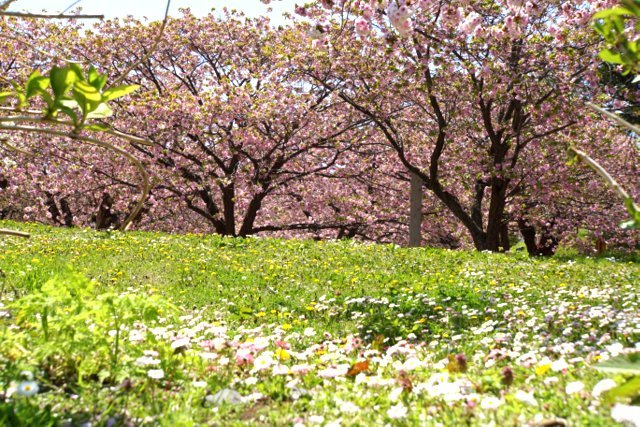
[494, 309]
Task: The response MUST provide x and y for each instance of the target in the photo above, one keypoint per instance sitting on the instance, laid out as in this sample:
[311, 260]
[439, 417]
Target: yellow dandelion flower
[282, 354]
[542, 369]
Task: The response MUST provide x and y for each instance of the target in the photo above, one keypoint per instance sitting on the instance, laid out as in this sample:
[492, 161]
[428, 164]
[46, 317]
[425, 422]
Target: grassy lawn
[148, 329]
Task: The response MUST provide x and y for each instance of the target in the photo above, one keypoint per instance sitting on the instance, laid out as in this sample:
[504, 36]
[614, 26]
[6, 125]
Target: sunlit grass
[423, 320]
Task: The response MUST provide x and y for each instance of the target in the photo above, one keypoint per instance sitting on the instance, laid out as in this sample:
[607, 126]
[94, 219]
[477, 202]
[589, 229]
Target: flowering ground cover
[152, 329]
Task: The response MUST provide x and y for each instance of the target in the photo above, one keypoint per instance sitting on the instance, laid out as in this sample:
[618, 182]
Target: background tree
[67, 101]
[232, 125]
[464, 92]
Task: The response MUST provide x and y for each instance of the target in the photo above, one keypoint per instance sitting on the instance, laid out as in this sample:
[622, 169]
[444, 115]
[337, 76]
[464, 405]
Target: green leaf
[245, 312]
[69, 103]
[520, 246]
[98, 127]
[48, 100]
[102, 111]
[614, 11]
[6, 95]
[96, 79]
[81, 101]
[22, 99]
[34, 75]
[61, 80]
[632, 208]
[633, 6]
[70, 112]
[77, 69]
[102, 80]
[103, 375]
[36, 84]
[624, 364]
[93, 74]
[119, 91]
[89, 92]
[150, 313]
[618, 24]
[610, 56]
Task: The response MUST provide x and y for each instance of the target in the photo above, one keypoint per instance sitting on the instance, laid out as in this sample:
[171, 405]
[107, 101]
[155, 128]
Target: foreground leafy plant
[70, 332]
[67, 90]
[617, 26]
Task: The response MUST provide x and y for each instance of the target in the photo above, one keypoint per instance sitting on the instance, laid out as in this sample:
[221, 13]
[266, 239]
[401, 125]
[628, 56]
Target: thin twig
[26, 119]
[602, 172]
[615, 118]
[31, 45]
[71, 5]
[14, 233]
[27, 15]
[15, 110]
[16, 149]
[5, 4]
[151, 51]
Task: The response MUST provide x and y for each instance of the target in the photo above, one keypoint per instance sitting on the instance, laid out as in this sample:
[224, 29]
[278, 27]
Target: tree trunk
[544, 246]
[105, 218]
[504, 237]
[548, 243]
[528, 233]
[252, 214]
[495, 219]
[229, 207]
[67, 215]
[415, 215]
[212, 212]
[52, 207]
[4, 183]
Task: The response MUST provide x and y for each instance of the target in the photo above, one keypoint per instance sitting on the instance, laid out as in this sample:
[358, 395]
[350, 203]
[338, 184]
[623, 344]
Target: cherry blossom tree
[466, 93]
[255, 130]
[233, 126]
